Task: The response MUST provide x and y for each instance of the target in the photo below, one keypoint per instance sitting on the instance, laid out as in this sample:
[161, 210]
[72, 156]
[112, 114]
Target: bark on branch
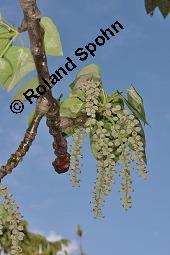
[23, 147]
[36, 35]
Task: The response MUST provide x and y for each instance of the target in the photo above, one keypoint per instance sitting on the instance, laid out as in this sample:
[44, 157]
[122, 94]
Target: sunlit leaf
[5, 38]
[90, 71]
[7, 25]
[30, 84]
[5, 70]
[52, 38]
[21, 62]
[136, 104]
[7, 34]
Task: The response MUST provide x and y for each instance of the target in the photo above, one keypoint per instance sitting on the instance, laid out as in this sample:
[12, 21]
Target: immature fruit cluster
[117, 142]
[14, 220]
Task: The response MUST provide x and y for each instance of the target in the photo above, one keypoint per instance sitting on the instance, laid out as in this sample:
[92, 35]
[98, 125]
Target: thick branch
[36, 35]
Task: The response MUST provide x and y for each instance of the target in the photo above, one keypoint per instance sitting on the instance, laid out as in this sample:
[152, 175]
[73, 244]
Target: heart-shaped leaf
[90, 71]
[51, 38]
[5, 70]
[21, 62]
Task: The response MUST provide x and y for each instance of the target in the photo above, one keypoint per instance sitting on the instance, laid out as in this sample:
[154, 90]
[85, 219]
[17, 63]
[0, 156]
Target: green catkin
[105, 169]
[129, 147]
[91, 90]
[76, 155]
[14, 219]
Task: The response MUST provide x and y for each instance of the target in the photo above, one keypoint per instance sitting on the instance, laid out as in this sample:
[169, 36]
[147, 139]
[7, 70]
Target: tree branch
[36, 35]
[23, 147]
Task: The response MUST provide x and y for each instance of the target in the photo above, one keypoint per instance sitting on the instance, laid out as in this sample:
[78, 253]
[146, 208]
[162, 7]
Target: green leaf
[21, 62]
[71, 107]
[5, 38]
[7, 34]
[31, 116]
[5, 70]
[5, 23]
[136, 104]
[30, 84]
[52, 38]
[90, 71]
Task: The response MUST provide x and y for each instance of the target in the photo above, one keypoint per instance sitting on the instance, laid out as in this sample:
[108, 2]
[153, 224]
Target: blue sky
[139, 54]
